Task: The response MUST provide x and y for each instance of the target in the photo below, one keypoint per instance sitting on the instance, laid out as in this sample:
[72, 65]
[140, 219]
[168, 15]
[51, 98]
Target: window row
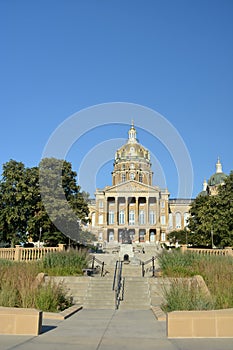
[122, 217]
[178, 220]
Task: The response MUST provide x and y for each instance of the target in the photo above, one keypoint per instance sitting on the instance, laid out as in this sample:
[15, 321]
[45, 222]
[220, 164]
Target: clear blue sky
[173, 56]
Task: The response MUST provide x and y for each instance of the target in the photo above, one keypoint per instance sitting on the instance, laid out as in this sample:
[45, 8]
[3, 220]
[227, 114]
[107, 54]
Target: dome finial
[204, 185]
[218, 166]
[132, 133]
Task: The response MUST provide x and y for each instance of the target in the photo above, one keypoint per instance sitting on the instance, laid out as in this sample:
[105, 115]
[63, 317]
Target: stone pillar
[61, 247]
[136, 211]
[115, 212]
[127, 211]
[147, 211]
[17, 253]
[183, 248]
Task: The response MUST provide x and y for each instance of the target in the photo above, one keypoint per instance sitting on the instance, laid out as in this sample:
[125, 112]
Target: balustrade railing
[203, 251]
[28, 254]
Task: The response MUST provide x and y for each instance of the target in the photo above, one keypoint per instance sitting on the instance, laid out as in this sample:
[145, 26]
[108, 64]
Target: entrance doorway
[152, 236]
[142, 234]
[110, 236]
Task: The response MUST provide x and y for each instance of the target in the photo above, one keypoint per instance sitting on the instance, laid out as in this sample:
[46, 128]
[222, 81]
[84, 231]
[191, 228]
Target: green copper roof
[216, 179]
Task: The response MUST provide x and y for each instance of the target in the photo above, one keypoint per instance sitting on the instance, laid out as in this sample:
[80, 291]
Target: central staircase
[97, 292]
[136, 294]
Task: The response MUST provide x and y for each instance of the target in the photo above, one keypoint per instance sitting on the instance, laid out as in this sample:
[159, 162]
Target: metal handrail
[114, 277]
[152, 260]
[118, 283]
[94, 259]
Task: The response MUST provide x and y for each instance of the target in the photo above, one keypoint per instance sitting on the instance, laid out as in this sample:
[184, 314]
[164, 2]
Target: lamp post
[40, 237]
[212, 238]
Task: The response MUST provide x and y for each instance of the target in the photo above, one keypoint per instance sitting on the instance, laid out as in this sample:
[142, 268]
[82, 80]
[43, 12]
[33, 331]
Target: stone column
[116, 212]
[127, 211]
[136, 211]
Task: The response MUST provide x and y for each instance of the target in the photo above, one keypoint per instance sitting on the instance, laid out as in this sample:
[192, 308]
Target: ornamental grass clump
[20, 288]
[217, 272]
[183, 295]
[64, 263]
[176, 264]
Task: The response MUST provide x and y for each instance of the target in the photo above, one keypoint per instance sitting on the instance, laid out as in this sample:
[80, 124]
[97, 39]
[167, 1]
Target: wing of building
[132, 202]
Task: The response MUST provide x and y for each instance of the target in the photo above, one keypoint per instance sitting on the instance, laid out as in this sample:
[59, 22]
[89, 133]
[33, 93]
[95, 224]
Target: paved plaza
[91, 329]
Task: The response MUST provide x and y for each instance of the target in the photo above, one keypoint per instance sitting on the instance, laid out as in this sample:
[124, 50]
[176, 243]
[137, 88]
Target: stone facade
[133, 202]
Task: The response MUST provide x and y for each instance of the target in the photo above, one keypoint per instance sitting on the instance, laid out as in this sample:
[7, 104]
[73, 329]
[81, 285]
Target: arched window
[178, 220]
[101, 219]
[170, 219]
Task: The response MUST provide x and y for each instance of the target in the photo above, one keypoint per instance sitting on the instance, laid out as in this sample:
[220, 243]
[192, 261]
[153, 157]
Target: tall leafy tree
[22, 210]
[15, 207]
[61, 196]
[211, 220]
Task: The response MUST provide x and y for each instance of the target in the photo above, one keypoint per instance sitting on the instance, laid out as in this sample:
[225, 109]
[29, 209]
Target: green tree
[61, 196]
[15, 210]
[180, 236]
[211, 220]
[22, 210]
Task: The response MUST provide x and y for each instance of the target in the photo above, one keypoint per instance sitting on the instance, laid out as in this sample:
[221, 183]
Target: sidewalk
[108, 330]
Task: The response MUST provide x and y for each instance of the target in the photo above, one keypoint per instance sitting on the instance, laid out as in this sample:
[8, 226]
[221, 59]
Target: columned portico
[132, 202]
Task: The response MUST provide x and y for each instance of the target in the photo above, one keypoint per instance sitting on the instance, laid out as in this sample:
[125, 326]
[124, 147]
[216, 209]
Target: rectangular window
[152, 220]
[131, 217]
[111, 217]
[101, 219]
[101, 204]
[163, 220]
[163, 236]
[141, 217]
[162, 204]
[122, 217]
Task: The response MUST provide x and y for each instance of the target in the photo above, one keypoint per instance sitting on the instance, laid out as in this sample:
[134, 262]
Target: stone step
[136, 294]
[134, 306]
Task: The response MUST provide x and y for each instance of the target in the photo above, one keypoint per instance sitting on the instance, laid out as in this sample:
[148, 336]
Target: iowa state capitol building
[132, 203]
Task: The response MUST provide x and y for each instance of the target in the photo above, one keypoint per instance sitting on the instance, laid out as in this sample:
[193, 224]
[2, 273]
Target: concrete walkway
[91, 329]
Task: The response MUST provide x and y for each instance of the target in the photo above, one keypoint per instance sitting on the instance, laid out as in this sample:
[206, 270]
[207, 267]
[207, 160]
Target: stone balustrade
[226, 251]
[28, 254]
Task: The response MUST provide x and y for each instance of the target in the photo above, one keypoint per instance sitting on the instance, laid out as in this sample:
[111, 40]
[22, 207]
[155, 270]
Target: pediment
[132, 187]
